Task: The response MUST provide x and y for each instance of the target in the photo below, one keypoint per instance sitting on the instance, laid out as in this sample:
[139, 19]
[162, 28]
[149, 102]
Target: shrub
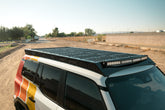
[99, 38]
[29, 37]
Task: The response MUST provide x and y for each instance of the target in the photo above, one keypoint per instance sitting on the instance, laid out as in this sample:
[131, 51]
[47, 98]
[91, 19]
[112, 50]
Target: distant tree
[4, 33]
[16, 33]
[48, 35]
[67, 35]
[62, 34]
[89, 32]
[73, 33]
[55, 32]
[80, 34]
[11, 34]
[29, 31]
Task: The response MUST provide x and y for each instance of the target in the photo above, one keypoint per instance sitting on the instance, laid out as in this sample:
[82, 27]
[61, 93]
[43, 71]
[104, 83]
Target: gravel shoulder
[10, 63]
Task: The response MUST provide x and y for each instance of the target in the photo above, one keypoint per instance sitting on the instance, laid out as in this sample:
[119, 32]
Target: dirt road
[9, 65]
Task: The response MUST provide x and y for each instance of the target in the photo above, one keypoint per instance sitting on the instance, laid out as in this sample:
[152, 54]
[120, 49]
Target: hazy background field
[151, 39]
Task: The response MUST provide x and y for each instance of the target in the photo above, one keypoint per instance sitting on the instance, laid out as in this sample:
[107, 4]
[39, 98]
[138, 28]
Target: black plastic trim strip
[103, 88]
[18, 100]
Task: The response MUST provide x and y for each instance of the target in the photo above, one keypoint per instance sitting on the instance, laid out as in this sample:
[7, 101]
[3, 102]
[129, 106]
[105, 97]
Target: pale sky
[76, 15]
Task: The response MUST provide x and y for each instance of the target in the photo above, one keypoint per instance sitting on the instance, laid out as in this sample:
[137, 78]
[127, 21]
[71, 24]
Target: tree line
[28, 32]
[56, 33]
[16, 33]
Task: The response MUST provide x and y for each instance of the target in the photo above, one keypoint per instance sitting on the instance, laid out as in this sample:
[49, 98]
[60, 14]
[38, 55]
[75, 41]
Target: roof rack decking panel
[89, 55]
[86, 58]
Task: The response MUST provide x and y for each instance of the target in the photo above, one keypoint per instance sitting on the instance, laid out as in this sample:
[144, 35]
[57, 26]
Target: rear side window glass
[29, 69]
[38, 74]
[82, 94]
[51, 77]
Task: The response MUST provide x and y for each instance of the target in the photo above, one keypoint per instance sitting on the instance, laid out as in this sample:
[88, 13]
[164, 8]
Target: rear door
[28, 88]
[48, 79]
[82, 94]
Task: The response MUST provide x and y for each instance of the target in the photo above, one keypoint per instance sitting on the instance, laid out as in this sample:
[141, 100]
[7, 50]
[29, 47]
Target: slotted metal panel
[86, 54]
[86, 58]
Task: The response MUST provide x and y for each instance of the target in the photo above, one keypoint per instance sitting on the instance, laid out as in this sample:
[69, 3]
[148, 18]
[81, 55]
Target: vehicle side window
[51, 77]
[82, 94]
[29, 69]
[38, 74]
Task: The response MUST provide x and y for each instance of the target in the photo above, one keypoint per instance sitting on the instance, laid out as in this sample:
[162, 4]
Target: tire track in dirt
[3, 54]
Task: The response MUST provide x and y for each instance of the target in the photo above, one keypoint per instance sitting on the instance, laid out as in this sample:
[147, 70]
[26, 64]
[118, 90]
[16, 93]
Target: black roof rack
[96, 60]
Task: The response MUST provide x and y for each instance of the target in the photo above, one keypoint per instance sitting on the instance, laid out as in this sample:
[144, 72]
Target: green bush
[29, 37]
[99, 38]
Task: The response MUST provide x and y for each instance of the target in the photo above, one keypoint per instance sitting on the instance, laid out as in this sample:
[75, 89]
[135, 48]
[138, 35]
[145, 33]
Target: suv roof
[102, 62]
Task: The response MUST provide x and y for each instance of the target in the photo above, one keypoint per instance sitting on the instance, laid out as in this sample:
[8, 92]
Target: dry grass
[82, 38]
[5, 48]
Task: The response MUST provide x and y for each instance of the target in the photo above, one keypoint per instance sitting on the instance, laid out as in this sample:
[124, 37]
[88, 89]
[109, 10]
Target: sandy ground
[9, 64]
[150, 39]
